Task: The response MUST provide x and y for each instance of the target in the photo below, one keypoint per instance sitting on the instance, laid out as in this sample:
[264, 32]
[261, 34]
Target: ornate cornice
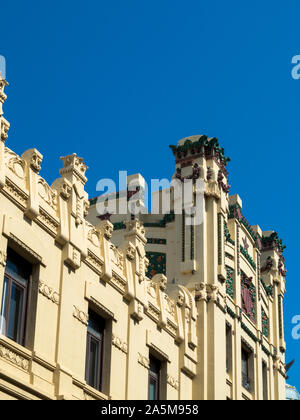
[26, 248]
[203, 146]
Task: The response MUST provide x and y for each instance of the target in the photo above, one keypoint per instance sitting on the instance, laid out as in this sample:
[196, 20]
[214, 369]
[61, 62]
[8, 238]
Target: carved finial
[3, 96]
[4, 124]
[73, 165]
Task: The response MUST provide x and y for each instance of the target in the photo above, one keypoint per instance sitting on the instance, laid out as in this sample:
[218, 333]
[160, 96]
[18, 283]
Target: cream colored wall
[77, 266]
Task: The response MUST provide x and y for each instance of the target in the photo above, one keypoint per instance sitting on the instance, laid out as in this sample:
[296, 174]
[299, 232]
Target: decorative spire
[4, 125]
[3, 96]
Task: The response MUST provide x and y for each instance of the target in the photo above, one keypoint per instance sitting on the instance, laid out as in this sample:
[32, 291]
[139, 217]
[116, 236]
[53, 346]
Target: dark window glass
[94, 353]
[228, 349]
[245, 369]
[14, 297]
[265, 380]
[154, 379]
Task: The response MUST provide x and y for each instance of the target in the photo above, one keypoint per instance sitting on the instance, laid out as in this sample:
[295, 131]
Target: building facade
[148, 307]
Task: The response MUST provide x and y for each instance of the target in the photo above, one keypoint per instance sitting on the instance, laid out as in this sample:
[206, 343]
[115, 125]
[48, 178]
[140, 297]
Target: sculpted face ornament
[108, 230]
[63, 187]
[161, 280]
[86, 206]
[66, 190]
[36, 163]
[163, 284]
[130, 253]
[180, 299]
[4, 129]
[34, 159]
[136, 226]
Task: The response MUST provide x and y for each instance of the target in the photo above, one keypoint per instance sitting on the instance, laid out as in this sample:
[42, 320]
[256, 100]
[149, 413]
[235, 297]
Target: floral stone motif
[230, 282]
[265, 323]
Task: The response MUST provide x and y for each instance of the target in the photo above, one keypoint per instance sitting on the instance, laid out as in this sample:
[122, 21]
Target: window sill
[229, 379]
[97, 395]
[12, 345]
[247, 394]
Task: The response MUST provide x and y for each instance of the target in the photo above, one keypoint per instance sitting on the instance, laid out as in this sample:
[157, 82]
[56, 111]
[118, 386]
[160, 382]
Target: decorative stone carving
[120, 344]
[76, 257]
[130, 252]
[93, 234]
[173, 382]
[3, 96]
[78, 207]
[137, 310]
[15, 163]
[16, 192]
[47, 193]
[151, 289]
[80, 315]
[137, 227]
[161, 281]
[117, 257]
[94, 262]
[48, 292]
[48, 220]
[21, 244]
[200, 292]
[180, 298]
[4, 128]
[106, 228]
[212, 292]
[86, 206]
[170, 305]
[3, 257]
[212, 189]
[63, 187]
[14, 358]
[73, 165]
[34, 159]
[144, 361]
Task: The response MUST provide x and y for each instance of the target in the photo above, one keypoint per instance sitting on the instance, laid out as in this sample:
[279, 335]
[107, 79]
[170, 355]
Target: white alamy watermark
[167, 197]
[296, 329]
[2, 66]
[296, 68]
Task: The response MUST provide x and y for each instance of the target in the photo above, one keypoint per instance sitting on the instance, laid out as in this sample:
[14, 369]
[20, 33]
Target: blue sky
[118, 81]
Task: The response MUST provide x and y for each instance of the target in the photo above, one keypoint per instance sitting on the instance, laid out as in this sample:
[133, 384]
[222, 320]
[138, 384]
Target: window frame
[265, 381]
[246, 380]
[156, 376]
[6, 301]
[229, 357]
[100, 357]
